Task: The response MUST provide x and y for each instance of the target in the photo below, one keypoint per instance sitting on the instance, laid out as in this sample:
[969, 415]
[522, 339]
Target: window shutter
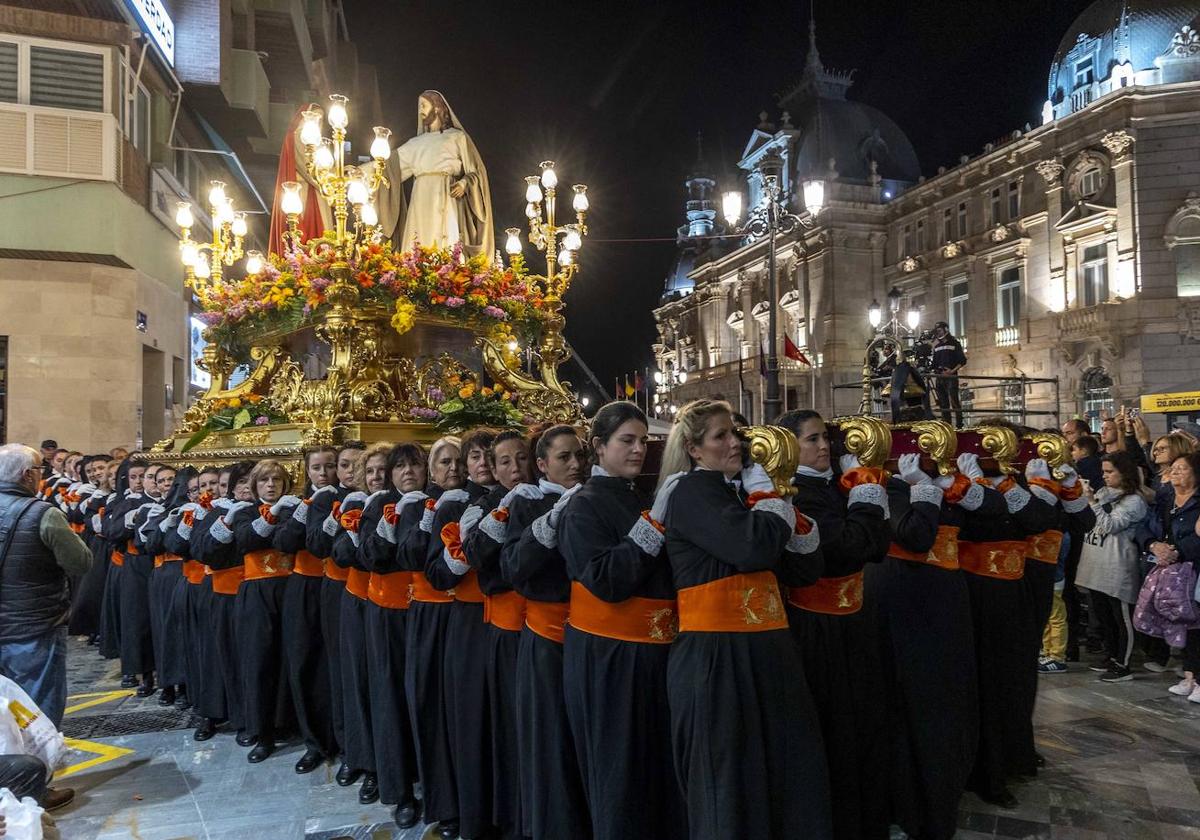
[8, 72]
[66, 79]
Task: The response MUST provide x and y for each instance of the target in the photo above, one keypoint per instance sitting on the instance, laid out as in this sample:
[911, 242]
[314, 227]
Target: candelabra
[205, 262]
[562, 257]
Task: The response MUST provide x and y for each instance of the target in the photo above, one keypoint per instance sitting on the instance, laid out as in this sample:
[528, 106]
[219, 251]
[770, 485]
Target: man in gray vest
[38, 552]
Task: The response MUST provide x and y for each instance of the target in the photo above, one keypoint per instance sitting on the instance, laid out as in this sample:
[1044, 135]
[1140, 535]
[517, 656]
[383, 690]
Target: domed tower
[1116, 43]
[694, 236]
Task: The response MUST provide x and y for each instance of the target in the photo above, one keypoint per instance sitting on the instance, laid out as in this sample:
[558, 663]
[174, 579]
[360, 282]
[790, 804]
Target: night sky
[616, 92]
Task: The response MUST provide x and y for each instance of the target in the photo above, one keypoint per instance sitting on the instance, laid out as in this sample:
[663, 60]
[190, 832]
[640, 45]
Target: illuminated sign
[157, 24]
[1182, 402]
[200, 378]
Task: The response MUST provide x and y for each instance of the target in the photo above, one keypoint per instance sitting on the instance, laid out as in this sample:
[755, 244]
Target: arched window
[1097, 395]
[1183, 238]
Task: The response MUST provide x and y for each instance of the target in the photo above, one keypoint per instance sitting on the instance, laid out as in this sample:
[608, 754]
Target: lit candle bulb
[310, 129]
[216, 195]
[239, 226]
[580, 202]
[565, 257]
[323, 156]
[572, 241]
[338, 118]
[549, 177]
[512, 245]
[533, 193]
[290, 202]
[368, 215]
[254, 262]
[188, 253]
[183, 215]
[381, 148]
[200, 267]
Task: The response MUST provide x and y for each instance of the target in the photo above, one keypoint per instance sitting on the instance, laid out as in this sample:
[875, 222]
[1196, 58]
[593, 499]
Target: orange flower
[255, 398]
[466, 391]
[485, 391]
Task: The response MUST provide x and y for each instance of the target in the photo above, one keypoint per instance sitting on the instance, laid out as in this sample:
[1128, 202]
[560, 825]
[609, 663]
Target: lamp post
[770, 218]
[894, 332]
[205, 262]
[665, 382]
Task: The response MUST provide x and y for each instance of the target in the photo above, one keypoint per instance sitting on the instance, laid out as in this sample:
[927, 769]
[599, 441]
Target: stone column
[1051, 170]
[1118, 144]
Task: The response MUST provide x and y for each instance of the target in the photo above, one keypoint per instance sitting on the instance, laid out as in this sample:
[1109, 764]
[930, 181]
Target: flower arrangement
[291, 289]
[236, 413]
[470, 405]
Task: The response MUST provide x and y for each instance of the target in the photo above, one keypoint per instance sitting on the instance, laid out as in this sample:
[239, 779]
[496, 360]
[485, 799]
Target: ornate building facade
[1068, 253]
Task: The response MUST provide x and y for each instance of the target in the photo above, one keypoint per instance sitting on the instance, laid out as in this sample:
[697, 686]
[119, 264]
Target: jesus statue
[451, 201]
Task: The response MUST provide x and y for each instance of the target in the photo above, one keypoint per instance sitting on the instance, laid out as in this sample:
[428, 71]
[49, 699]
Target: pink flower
[454, 302]
[495, 312]
[261, 420]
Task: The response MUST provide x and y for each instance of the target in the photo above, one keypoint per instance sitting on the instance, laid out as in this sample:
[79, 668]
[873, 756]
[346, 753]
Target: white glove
[525, 491]
[756, 480]
[285, 501]
[968, 465]
[452, 496]
[659, 509]
[409, 498]
[1069, 477]
[849, 462]
[356, 496]
[129, 518]
[173, 518]
[910, 469]
[469, 519]
[944, 481]
[328, 488]
[1037, 468]
[192, 506]
[555, 513]
[96, 526]
[98, 494]
[234, 508]
[154, 510]
[89, 489]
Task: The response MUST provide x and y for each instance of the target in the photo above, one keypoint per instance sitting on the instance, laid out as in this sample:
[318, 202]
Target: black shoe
[1094, 646]
[407, 814]
[1103, 667]
[167, 698]
[346, 777]
[262, 751]
[205, 730]
[448, 829]
[128, 681]
[182, 702]
[369, 792]
[146, 688]
[309, 762]
[1003, 799]
[246, 740]
[93, 640]
[1117, 673]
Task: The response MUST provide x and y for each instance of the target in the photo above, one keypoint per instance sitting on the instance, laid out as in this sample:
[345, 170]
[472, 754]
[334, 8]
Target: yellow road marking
[103, 753]
[97, 698]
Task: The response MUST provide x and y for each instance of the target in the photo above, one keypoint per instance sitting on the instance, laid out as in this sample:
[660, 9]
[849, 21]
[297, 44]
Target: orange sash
[468, 589]
[744, 603]
[424, 592]
[547, 618]
[1000, 560]
[130, 548]
[830, 596]
[506, 610]
[647, 620]
[165, 558]
[944, 553]
[227, 581]
[335, 572]
[193, 571]
[390, 590]
[267, 563]
[1044, 547]
[308, 564]
[117, 558]
[358, 583]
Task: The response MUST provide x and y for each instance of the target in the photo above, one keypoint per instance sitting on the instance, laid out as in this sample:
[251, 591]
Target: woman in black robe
[385, 626]
[86, 606]
[213, 545]
[553, 803]
[424, 659]
[466, 642]
[303, 640]
[918, 600]
[504, 614]
[835, 638]
[129, 585]
[747, 741]
[165, 625]
[110, 603]
[616, 645]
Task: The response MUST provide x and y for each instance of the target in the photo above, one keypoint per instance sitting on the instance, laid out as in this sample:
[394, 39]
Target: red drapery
[310, 222]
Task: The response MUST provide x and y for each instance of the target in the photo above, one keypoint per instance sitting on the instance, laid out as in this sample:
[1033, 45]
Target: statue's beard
[432, 118]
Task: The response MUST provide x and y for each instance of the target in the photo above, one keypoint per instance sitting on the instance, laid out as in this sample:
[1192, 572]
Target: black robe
[391, 729]
[88, 599]
[183, 612]
[465, 680]
[616, 691]
[922, 615]
[747, 741]
[222, 654]
[553, 802]
[137, 645]
[358, 746]
[320, 544]
[110, 604]
[304, 643]
[165, 632]
[840, 657]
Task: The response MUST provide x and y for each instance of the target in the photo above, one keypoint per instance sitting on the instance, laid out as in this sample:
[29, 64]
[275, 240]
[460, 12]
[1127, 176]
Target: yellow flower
[234, 402]
[404, 318]
[485, 391]
[466, 391]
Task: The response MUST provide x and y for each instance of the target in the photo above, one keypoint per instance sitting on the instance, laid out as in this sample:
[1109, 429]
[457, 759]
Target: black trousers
[307, 664]
[945, 388]
[331, 634]
[137, 641]
[1191, 653]
[358, 748]
[258, 614]
[1116, 626]
[391, 729]
[24, 775]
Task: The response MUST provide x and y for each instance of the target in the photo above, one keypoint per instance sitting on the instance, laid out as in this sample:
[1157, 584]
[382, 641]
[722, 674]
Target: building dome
[854, 136]
[1115, 43]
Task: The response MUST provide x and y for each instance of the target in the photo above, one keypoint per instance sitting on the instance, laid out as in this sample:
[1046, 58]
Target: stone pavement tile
[254, 828]
[973, 820]
[1125, 826]
[147, 827]
[1178, 832]
[972, 835]
[1013, 827]
[1060, 832]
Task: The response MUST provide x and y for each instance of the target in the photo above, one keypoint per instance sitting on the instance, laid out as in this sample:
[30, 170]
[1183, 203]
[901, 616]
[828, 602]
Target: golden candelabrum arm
[777, 450]
[867, 437]
[494, 364]
[1001, 443]
[1053, 448]
[938, 440]
[219, 367]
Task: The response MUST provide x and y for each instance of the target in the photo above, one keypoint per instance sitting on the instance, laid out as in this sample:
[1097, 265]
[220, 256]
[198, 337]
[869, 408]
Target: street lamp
[875, 313]
[770, 218]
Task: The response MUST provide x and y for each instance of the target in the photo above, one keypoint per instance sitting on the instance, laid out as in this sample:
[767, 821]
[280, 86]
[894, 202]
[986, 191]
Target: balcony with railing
[1008, 336]
[1088, 321]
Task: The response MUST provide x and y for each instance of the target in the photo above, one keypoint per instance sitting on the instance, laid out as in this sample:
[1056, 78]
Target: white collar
[598, 470]
[826, 474]
[548, 486]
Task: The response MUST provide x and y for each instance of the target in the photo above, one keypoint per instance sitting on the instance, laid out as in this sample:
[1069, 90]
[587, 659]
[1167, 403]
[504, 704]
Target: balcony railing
[35, 140]
[1008, 336]
[1088, 321]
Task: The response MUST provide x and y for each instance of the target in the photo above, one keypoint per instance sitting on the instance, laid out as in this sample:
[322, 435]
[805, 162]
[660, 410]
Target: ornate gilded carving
[1053, 448]
[253, 437]
[776, 449]
[938, 440]
[867, 437]
[1002, 444]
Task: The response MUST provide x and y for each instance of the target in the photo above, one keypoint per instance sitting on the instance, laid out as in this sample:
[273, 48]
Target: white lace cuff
[805, 543]
[780, 507]
[493, 528]
[300, 514]
[929, 493]
[427, 521]
[543, 533]
[1016, 498]
[648, 538]
[870, 494]
[1075, 505]
[330, 525]
[96, 526]
[457, 566]
[262, 527]
[220, 532]
[386, 530]
[973, 498]
[1044, 494]
[200, 514]
[184, 531]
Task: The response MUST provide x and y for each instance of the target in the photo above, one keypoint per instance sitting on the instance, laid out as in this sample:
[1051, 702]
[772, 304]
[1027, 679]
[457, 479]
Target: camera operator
[948, 360]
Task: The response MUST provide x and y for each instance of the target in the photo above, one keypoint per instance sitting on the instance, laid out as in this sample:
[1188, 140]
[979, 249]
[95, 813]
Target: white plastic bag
[22, 817]
[39, 736]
